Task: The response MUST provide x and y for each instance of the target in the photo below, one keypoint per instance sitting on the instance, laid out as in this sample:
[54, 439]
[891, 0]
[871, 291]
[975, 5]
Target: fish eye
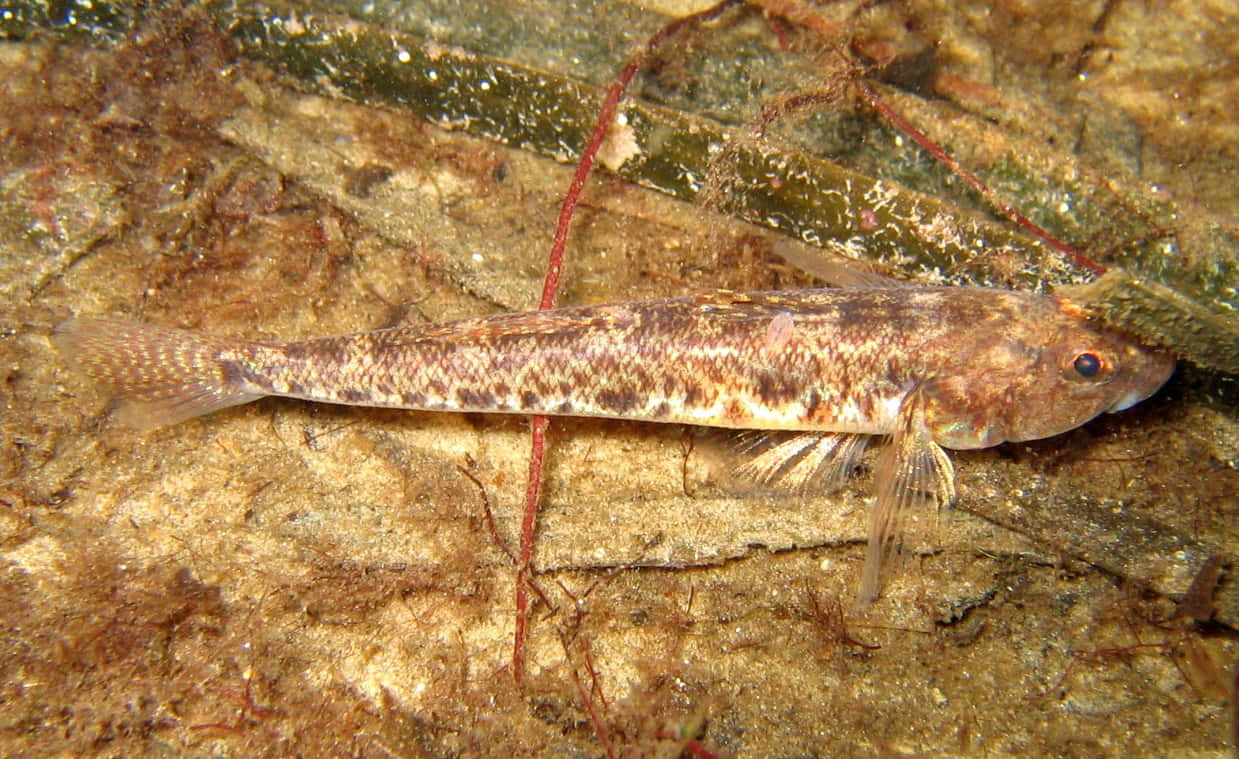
[1087, 365]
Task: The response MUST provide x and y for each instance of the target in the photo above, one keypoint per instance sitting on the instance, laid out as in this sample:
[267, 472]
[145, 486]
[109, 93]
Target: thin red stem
[555, 260]
[600, 727]
[797, 13]
[606, 115]
[533, 490]
[994, 199]
[690, 745]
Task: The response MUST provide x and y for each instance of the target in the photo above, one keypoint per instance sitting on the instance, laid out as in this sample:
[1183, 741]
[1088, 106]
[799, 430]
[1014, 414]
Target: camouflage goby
[927, 368]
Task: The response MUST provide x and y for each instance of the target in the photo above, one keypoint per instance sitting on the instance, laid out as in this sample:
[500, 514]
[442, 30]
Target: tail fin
[162, 376]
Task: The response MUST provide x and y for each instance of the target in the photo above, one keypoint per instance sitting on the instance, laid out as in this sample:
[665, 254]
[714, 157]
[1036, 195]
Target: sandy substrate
[286, 579]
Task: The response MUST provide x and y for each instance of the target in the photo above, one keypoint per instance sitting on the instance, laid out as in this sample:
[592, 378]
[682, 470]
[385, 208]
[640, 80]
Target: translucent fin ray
[912, 469]
[802, 460]
[814, 261]
[161, 375]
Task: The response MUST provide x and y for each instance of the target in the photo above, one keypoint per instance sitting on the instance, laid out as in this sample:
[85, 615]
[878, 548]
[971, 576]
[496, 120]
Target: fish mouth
[1156, 375]
[1127, 401]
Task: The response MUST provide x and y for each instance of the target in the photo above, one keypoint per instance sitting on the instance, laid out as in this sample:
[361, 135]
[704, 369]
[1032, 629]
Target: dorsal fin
[814, 261]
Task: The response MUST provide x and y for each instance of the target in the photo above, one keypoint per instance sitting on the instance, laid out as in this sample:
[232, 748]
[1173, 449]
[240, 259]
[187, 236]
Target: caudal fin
[161, 375]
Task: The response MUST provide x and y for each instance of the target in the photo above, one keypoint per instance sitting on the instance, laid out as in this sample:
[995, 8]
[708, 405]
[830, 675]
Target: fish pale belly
[876, 415]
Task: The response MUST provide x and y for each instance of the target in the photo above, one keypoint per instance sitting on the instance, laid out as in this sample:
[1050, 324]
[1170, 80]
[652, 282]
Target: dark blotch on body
[352, 395]
[475, 399]
[618, 401]
[692, 395]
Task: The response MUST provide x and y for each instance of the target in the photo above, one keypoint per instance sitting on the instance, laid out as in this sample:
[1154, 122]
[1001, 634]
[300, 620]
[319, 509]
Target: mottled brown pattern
[842, 362]
[930, 368]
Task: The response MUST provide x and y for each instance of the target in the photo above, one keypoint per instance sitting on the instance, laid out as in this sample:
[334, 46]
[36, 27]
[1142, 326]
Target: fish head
[1040, 377]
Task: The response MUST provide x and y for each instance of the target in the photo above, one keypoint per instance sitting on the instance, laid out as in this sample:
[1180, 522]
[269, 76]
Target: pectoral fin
[911, 471]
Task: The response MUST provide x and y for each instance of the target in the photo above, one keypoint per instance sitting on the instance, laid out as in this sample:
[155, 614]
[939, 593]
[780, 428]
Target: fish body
[928, 368]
